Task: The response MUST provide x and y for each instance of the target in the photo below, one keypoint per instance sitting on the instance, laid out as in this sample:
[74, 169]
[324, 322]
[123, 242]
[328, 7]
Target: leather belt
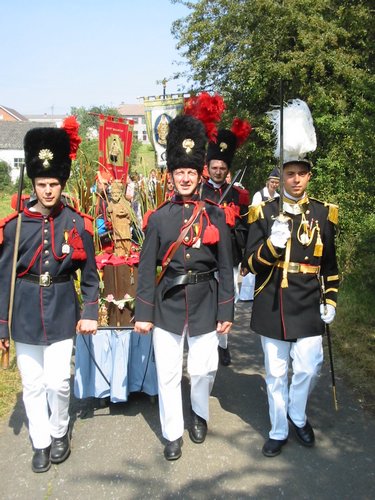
[46, 279]
[296, 267]
[191, 278]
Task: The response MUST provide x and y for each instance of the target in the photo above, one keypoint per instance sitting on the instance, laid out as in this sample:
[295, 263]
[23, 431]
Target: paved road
[118, 451]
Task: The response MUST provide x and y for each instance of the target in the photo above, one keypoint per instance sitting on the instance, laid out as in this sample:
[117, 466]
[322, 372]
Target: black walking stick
[329, 342]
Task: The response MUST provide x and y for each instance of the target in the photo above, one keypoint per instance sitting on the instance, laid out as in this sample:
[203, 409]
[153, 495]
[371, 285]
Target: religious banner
[159, 111]
[115, 143]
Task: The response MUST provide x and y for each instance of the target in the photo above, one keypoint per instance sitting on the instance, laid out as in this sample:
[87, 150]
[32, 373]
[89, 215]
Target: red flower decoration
[241, 129]
[71, 127]
[208, 109]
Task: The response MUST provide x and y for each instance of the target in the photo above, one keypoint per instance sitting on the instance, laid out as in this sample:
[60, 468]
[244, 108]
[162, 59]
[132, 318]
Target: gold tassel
[284, 281]
[318, 249]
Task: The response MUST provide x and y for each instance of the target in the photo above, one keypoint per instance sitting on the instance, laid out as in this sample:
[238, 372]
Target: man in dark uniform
[55, 241]
[235, 203]
[191, 241]
[288, 254]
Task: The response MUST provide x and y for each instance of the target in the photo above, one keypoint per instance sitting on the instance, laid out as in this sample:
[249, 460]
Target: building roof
[131, 109]
[12, 133]
[14, 113]
[46, 118]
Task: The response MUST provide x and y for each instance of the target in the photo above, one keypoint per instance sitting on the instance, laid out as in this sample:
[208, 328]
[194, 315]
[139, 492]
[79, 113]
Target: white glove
[327, 313]
[280, 234]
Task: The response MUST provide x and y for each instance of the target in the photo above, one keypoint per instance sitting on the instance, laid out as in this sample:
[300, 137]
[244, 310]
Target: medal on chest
[197, 239]
[65, 247]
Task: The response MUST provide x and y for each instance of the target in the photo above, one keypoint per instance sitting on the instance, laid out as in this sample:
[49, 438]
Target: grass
[145, 160]
[10, 382]
[10, 385]
[5, 207]
[353, 337]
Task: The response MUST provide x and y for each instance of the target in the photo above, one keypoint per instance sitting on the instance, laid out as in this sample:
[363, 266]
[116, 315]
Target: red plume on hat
[71, 127]
[241, 129]
[208, 109]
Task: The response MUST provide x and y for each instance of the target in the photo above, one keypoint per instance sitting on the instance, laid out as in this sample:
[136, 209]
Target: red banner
[115, 143]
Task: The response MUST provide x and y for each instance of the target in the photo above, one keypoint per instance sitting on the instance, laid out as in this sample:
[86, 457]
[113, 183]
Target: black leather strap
[192, 278]
[35, 278]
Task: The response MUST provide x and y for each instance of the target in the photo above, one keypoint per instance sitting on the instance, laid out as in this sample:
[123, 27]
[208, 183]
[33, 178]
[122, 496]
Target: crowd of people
[200, 233]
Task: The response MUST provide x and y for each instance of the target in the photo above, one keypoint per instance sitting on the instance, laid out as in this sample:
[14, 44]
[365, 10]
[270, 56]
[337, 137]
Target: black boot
[198, 428]
[41, 461]
[172, 450]
[305, 434]
[272, 447]
[60, 449]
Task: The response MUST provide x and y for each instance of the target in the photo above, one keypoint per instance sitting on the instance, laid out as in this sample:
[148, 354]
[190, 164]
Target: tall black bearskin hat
[49, 151]
[227, 141]
[224, 147]
[186, 144]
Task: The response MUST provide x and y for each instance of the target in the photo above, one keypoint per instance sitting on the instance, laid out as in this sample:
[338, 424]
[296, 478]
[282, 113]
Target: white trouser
[202, 364]
[307, 359]
[236, 272]
[45, 373]
[223, 339]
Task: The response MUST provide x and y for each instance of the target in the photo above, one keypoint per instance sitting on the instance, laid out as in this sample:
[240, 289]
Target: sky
[56, 54]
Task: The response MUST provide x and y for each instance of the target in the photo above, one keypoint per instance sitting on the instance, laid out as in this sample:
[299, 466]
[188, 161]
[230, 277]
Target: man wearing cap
[270, 189]
[191, 241]
[220, 153]
[288, 253]
[55, 241]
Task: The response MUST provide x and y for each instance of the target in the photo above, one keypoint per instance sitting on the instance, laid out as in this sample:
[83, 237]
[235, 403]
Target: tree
[323, 50]
[5, 177]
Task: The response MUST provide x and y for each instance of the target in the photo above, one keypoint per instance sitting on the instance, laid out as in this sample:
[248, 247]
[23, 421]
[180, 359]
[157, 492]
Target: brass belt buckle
[45, 279]
[294, 267]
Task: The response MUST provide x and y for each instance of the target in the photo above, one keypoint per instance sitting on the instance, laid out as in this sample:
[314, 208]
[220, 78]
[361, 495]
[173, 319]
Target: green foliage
[5, 178]
[89, 119]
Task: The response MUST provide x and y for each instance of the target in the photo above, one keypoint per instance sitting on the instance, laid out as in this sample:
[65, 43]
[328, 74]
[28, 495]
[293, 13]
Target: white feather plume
[299, 136]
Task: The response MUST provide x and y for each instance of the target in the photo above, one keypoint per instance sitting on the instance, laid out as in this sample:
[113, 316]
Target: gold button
[46, 230]
[186, 205]
[306, 258]
[46, 262]
[185, 221]
[46, 252]
[45, 242]
[188, 256]
[186, 238]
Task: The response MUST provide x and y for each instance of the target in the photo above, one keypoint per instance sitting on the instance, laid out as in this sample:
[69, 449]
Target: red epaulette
[14, 200]
[4, 222]
[244, 195]
[87, 220]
